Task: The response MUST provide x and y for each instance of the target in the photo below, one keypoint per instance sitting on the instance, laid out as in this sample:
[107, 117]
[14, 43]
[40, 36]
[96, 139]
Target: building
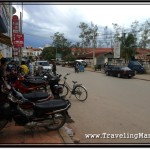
[103, 55]
[30, 51]
[6, 12]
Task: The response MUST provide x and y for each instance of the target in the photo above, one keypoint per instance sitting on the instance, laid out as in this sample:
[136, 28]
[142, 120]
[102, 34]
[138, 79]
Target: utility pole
[10, 25]
[20, 56]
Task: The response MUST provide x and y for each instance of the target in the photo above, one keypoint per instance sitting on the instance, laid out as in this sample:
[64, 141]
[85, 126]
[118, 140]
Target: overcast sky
[45, 20]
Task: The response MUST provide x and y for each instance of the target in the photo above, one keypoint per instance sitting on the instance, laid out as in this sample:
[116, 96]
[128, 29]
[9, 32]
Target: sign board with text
[117, 49]
[18, 40]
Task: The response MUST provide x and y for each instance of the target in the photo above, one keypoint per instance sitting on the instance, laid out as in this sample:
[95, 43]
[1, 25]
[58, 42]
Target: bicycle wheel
[80, 93]
[65, 90]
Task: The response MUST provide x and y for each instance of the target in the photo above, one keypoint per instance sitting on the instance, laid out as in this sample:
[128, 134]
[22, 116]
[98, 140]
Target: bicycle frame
[75, 89]
[67, 85]
[71, 90]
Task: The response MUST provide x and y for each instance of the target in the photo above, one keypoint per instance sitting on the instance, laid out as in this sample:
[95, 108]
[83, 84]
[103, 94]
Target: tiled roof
[36, 49]
[99, 51]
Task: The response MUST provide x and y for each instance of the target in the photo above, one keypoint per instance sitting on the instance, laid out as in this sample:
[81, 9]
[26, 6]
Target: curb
[66, 138]
[141, 79]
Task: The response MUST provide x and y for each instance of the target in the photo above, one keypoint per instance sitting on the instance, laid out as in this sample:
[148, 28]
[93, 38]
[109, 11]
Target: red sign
[18, 40]
[15, 24]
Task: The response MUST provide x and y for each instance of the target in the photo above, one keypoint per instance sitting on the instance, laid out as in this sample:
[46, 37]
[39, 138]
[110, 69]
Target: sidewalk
[19, 136]
[145, 77]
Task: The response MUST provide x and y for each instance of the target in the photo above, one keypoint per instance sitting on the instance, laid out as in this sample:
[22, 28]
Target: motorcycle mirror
[45, 77]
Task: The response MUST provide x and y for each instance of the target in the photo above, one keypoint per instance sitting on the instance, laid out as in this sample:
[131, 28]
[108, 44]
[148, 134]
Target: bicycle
[78, 89]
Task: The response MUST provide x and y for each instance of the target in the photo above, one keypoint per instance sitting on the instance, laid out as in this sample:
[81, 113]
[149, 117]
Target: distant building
[102, 55]
[30, 51]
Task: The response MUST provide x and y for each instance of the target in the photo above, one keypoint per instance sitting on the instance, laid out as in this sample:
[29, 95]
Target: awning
[5, 40]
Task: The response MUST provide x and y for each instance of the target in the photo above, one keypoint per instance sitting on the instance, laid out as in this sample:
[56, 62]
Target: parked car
[119, 71]
[136, 67]
[42, 64]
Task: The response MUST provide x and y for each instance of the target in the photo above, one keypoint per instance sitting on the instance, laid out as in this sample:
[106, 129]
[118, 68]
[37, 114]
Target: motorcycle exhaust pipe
[60, 110]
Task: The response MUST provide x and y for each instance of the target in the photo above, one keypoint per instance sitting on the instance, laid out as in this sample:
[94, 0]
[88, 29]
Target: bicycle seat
[74, 82]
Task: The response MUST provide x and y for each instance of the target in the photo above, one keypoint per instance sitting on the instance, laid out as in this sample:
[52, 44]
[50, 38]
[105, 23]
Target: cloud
[45, 20]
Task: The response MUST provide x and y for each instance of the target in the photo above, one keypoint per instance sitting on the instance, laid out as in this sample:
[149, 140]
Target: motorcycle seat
[51, 105]
[34, 78]
[35, 96]
[36, 82]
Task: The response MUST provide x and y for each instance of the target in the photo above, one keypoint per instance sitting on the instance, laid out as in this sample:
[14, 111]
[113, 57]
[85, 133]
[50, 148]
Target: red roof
[98, 51]
[36, 49]
[91, 49]
[143, 51]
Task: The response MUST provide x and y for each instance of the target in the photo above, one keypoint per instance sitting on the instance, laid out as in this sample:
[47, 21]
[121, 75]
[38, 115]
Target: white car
[44, 64]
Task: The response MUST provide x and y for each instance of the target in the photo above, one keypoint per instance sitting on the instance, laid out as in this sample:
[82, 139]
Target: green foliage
[145, 34]
[70, 57]
[49, 53]
[62, 44]
[128, 47]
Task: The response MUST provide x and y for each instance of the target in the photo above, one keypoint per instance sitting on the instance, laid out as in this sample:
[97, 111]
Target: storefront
[4, 39]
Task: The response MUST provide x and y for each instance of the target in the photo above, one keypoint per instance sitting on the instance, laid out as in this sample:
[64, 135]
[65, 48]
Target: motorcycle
[53, 81]
[26, 85]
[33, 83]
[50, 114]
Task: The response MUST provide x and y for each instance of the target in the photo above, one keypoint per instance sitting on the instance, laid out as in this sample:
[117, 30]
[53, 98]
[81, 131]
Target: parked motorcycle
[53, 81]
[26, 85]
[29, 84]
[50, 114]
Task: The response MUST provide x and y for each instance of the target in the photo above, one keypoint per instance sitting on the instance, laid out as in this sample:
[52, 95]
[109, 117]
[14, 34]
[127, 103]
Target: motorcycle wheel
[58, 121]
[3, 123]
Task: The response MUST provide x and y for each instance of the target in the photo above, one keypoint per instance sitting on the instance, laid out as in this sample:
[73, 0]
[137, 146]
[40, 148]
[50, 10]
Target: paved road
[114, 106]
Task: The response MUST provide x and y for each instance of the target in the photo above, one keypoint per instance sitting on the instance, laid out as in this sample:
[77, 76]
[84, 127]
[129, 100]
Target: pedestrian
[11, 66]
[24, 68]
[76, 67]
[30, 66]
[2, 72]
[54, 67]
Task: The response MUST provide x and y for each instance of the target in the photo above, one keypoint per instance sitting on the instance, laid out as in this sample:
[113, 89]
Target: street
[114, 106]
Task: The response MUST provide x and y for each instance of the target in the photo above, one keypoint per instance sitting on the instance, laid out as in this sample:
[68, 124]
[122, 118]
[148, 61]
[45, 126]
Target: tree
[62, 45]
[145, 34]
[70, 57]
[78, 47]
[84, 35]
[106, 37]
[128, 47]
[48, 53]
[118, 31]
[135, 29]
